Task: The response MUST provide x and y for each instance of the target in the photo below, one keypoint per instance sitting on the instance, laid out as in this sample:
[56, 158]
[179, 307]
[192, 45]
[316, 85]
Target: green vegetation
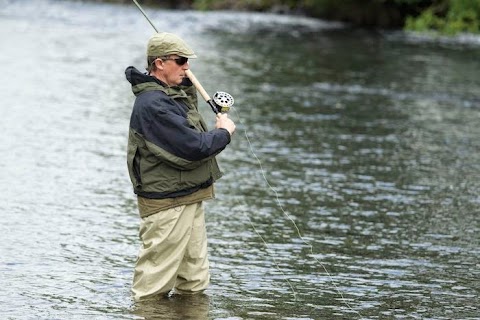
[448, 17]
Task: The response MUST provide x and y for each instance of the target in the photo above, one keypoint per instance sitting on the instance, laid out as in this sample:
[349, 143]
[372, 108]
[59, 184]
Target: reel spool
[223, 101]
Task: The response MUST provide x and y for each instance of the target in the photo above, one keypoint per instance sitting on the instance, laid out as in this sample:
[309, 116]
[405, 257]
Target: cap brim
[189, 56]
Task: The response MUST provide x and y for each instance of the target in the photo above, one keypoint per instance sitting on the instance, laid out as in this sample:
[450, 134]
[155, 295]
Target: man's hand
[223, 121]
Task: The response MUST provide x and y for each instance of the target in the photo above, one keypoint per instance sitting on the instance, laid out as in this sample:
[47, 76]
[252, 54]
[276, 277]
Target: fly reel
[223, 101]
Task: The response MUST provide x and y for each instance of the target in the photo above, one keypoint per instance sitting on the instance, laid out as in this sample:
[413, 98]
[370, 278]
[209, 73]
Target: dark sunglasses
[180, 61]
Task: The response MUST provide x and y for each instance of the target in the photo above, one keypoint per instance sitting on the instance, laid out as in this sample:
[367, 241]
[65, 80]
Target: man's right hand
[223, 121]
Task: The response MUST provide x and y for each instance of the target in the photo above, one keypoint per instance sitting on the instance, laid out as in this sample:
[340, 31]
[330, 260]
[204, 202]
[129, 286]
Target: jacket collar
[142, 82]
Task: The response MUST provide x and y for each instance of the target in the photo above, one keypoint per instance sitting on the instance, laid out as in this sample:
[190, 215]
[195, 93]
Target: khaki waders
[174, 253]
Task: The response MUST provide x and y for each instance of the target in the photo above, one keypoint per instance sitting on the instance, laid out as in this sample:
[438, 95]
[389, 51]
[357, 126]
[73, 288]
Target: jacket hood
[142, 82]
[136, 77]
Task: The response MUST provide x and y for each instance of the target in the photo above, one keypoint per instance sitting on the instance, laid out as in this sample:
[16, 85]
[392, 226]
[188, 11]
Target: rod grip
[197, 85]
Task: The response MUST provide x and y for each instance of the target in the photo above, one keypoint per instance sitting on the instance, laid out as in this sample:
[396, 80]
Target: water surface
[368, 143]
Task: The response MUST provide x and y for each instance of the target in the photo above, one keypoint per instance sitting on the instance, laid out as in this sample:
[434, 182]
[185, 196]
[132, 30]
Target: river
[351, 188]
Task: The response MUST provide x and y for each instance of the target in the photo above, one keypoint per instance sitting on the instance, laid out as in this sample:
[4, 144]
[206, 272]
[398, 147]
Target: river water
[368, 143]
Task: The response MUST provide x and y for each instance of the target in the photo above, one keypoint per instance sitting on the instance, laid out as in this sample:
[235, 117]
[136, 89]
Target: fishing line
[274, 260]
[277, 199]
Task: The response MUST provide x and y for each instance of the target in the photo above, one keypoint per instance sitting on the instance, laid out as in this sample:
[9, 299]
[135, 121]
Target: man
[172, 166]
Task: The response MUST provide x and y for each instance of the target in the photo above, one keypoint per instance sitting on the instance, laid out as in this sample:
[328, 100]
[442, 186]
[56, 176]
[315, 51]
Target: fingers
[223, 121]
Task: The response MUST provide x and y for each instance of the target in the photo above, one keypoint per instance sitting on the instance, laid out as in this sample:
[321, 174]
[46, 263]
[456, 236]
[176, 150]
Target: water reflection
[176, 307]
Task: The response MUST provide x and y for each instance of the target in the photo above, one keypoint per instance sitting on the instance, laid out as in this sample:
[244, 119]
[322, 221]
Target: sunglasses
[179, 61]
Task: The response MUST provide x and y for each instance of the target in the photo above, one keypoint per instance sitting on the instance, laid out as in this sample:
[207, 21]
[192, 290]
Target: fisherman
[172, 166]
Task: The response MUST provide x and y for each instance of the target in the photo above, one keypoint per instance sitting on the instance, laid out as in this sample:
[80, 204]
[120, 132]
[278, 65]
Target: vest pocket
[195, 177]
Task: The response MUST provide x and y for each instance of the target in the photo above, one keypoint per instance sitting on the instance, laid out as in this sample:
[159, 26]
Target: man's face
[174, 68]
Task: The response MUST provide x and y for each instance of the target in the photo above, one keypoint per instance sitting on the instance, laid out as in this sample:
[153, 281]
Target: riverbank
[447, 17]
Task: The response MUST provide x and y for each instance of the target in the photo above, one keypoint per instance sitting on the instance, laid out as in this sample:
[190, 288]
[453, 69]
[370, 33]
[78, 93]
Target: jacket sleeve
[172, 138]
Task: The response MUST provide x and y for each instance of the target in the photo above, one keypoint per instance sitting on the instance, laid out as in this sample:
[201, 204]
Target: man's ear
[158, 64]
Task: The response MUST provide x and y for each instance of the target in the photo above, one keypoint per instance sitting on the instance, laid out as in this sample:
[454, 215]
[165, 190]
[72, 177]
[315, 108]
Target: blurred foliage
[448, 17]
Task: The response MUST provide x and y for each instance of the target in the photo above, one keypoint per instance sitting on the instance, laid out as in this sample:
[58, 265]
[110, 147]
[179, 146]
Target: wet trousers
[173, 254]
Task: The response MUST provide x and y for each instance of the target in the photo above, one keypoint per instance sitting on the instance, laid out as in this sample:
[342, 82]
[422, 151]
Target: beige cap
[164, 44]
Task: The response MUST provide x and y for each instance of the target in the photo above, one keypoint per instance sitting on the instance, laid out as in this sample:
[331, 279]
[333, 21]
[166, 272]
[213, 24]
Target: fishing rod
[221, 101]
